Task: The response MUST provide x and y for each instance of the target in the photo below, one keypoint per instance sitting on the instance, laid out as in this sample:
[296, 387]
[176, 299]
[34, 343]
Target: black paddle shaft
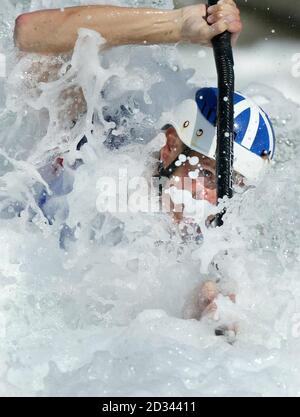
[225, 121]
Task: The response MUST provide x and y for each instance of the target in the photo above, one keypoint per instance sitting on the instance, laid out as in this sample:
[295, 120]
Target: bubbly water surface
[91, 303]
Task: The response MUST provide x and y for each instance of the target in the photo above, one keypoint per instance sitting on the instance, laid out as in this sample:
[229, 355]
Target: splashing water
[88, 298]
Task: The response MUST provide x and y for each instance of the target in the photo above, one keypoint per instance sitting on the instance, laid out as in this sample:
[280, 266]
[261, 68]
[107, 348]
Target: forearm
[56, 31]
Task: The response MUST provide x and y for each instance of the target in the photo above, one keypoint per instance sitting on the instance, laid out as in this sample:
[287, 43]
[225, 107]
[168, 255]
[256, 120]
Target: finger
[222, 26]
[235, 27]
[229, 17]
[219, 27]
[231, 2]
[222, 9]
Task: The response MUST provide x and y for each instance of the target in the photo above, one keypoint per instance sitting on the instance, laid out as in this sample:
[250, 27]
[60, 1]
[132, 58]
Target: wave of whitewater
[90, 303]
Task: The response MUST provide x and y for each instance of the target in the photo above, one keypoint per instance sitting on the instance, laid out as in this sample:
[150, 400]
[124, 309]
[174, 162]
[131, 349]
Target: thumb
[217, 28]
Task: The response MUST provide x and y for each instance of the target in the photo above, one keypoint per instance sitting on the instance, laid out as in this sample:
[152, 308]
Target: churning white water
[91, 303]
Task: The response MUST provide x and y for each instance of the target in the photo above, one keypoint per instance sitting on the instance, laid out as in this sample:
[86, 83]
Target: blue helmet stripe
[261, 142]
[253, 128]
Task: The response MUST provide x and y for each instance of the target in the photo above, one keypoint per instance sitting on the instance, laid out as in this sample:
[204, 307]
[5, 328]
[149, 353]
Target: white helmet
[195, 121]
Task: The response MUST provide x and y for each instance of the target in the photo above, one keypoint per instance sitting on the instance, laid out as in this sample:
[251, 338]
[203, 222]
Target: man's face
[197, 174]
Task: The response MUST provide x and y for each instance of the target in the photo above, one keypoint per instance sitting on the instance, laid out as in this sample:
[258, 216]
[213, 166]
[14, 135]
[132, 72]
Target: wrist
[177, 18]
[182, 24]
[167, 26]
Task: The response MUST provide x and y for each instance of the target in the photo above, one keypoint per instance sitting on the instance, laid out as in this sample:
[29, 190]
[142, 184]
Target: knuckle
[220, 25]
[236, 27]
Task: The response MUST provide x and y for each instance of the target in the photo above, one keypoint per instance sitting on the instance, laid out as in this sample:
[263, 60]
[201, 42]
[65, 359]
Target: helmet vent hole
[266, 154]
[186, 124]
[199, 132]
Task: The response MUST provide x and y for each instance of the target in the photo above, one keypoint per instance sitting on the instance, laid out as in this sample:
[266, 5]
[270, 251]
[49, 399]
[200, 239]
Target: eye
[207, 173]
[209, 176]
